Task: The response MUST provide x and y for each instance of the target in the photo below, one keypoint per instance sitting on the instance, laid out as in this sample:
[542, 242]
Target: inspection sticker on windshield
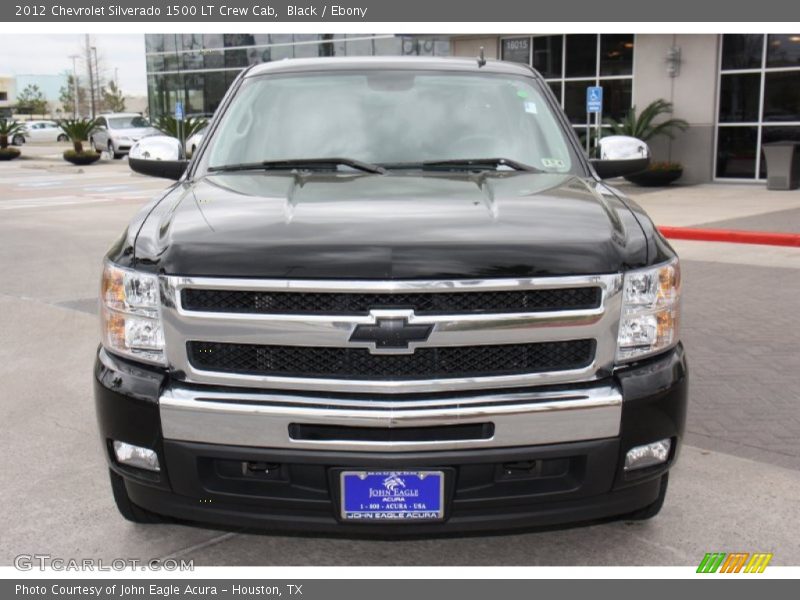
[530, 107]
[392, 495]
[553, 163]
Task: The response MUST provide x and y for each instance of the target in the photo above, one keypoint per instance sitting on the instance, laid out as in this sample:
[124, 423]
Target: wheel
[112, 153]
[93, 145]
[62, 138]
[18, 140]
[128, 509]
[648, 512]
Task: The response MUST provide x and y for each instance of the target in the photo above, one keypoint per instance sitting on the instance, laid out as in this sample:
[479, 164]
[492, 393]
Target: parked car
[390, 296]
[193, 141]
[40, 131]
[117, 132]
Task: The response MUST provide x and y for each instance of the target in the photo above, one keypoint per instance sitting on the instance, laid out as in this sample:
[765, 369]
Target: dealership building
[736, 91]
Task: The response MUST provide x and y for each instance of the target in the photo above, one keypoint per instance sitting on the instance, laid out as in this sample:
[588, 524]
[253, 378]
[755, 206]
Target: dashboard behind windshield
[390, 118]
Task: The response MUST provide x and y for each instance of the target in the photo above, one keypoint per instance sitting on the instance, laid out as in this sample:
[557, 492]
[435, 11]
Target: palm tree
[643, 126]
[168, 125]
[78, 131]
[8, 129]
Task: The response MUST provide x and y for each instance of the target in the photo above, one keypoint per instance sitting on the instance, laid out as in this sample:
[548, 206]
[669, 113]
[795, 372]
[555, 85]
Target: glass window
[517, 50]
[581, 55]
[556, 87]
[547, 55]
[128, 122]
[742, 51]
[616, 54]
[617, 97]
[736, 152]
[575, 100]
[783, 50]
[738, 98]
[782, 96]
[434, 116]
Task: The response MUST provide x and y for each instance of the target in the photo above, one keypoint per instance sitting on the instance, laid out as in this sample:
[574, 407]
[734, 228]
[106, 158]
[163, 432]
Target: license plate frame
[395, 496]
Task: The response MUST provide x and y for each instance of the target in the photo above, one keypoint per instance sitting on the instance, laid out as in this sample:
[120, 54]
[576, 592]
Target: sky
[26, 54]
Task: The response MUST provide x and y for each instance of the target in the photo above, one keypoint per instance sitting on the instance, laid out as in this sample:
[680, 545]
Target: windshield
[390, 118]
[128, 122]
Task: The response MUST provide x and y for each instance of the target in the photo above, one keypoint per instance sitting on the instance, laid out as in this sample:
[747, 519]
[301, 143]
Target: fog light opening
[648, 455]
[136, 456]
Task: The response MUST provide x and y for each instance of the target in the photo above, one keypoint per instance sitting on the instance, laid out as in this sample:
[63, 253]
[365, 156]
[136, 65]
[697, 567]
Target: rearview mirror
[621, 155]
[158, 156]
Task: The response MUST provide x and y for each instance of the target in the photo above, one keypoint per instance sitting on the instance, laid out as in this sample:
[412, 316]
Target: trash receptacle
[783, 165]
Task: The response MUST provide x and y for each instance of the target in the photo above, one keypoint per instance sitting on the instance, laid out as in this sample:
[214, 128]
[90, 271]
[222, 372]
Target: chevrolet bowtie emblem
[390, 334]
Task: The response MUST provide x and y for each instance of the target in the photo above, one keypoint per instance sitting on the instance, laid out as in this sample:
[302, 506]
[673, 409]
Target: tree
[31, 101]
[8, 129]
[643, 126]
[67, 97]
[78, 131]
[113, 99]
[168, 125]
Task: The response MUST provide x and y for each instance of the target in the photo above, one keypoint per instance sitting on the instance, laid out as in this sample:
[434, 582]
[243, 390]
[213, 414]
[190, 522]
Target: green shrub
[78, 131]
[8, 129]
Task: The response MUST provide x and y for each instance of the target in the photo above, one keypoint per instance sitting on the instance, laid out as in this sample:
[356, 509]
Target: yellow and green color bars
[736, 562]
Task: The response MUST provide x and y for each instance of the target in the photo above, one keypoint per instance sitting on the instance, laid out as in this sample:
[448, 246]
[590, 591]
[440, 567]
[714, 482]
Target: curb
[735, 236]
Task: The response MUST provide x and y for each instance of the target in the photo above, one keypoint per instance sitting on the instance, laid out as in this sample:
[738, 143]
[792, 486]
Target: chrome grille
[492, 334]
[422, 303]
[359, 363]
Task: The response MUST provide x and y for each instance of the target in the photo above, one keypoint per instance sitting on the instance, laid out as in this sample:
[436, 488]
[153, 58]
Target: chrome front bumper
[263, 420]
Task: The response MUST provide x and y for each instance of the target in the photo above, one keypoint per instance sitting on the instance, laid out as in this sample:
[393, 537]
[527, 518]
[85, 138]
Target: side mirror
[621, 155]
[158, 156]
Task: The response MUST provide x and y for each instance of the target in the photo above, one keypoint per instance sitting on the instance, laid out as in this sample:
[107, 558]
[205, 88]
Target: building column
[693, 92]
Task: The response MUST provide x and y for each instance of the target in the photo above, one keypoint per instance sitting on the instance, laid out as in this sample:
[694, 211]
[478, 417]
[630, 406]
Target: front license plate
[392, 495]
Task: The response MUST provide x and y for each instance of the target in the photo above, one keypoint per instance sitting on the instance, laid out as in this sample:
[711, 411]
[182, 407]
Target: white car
[193, 141]
[117, 132]
[40, 131]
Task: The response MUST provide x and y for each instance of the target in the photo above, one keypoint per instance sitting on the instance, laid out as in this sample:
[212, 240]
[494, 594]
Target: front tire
[112, 152]
[18, 140]
[131, 512]
[62, 138]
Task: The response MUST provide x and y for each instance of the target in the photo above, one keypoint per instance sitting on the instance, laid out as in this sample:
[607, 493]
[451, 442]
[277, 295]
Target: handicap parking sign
[179, 111]
[594, 99]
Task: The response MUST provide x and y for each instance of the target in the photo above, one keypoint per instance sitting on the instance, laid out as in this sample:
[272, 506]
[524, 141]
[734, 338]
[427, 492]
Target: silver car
[117, 132]
[39, 131]
[193, 141]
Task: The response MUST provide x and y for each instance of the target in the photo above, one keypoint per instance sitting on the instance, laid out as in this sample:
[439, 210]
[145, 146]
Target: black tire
[62, 138]
[128, 509]
[648, 512]
[18, 140]
[115, 155]
[93, 145]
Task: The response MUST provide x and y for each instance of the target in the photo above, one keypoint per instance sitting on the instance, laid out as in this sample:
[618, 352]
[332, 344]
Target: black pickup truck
[390, 296]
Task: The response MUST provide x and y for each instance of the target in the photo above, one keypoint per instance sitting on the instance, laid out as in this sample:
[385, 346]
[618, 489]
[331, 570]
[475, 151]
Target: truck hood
[402, 225]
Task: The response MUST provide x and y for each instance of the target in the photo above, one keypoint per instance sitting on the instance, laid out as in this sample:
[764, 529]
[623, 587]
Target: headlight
[131, 314]
[650, 311]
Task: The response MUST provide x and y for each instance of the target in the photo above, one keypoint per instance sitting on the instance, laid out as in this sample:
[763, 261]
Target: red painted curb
[732, 235]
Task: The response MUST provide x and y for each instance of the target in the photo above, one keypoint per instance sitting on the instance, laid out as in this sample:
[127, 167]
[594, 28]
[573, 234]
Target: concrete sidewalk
[749, 207]
[715, 203]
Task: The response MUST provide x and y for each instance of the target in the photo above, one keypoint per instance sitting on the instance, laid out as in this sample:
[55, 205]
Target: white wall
[692, 92]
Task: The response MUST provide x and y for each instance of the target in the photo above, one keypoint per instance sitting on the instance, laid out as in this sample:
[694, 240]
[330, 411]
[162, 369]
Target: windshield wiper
[478, 164]
[302, 164]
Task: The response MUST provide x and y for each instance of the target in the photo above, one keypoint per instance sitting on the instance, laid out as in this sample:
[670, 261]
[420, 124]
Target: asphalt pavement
[735, 487]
